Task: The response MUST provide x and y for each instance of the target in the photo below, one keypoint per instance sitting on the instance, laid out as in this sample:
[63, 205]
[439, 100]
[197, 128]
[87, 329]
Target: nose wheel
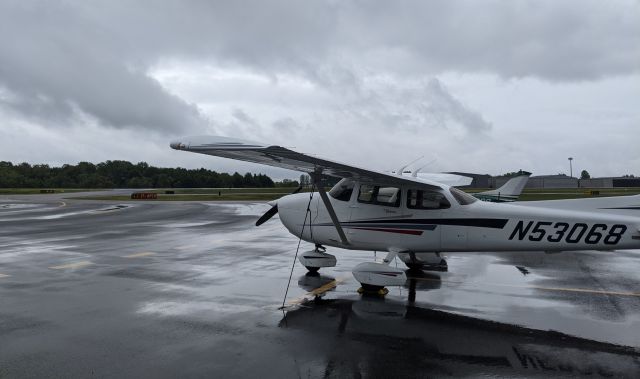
[317, 258]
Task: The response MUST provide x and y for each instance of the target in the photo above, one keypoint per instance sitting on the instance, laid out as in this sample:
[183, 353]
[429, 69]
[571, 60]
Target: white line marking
[4, 275]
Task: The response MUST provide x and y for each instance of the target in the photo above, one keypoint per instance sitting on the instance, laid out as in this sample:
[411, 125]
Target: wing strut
[332, 213]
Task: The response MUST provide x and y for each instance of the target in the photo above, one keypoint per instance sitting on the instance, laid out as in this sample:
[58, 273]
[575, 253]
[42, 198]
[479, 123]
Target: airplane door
[454, 229]
[370, 207]
[369, 233]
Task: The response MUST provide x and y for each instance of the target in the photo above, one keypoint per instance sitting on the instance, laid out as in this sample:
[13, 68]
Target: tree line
[123, 174]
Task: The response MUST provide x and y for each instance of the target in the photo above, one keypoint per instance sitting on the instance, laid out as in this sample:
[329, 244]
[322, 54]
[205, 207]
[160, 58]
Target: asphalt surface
[164, 289]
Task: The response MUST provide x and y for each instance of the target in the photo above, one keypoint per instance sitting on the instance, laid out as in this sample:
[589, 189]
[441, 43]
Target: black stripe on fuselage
[495, 223]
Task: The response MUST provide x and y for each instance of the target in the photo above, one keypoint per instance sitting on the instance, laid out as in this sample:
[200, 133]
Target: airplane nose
[292, 210]
[296, 201]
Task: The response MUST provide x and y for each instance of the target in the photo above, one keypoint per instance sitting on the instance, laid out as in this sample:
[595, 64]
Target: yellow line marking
[586, 290]
[72, 265]
[4, 275]
[562, 289]
[138, 255]
[186, 247]
[317, 292]
[99, 212]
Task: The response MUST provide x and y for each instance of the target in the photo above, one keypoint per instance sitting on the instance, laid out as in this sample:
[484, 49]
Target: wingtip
[177, 145]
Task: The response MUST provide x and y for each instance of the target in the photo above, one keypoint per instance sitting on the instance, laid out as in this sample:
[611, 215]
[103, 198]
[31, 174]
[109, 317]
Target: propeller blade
[265, 217]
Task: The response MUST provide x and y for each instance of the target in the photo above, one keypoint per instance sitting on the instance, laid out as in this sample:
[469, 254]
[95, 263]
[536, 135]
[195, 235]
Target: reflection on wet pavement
[193, 289]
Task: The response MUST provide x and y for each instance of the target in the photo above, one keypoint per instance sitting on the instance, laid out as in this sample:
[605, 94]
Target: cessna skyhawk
[408, 216]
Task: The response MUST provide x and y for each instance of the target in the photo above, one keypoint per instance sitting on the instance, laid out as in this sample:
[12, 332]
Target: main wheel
[369, 290]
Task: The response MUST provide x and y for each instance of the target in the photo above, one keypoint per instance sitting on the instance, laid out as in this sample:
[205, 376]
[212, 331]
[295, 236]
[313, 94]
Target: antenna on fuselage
[401, 170]
[414, 173]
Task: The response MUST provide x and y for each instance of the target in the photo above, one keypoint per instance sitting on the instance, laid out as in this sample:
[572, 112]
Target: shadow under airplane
[376, 337]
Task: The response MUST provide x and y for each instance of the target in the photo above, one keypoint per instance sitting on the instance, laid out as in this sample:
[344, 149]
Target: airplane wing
[446, 178]
[278, 156]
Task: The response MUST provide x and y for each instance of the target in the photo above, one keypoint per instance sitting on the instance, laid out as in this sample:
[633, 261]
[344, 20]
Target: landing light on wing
[177, 145]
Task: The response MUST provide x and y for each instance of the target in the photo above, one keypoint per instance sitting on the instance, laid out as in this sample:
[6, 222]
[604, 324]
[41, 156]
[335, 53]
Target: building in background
[560, 181]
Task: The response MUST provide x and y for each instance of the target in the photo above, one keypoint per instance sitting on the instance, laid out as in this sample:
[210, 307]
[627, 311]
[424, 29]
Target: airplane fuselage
[458, 226]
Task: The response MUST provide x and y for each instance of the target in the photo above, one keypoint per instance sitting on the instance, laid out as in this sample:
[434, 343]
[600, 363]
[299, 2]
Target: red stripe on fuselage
[399, 231]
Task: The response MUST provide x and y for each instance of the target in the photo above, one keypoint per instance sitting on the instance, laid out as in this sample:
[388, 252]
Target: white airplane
[411, 217]
[509, 191]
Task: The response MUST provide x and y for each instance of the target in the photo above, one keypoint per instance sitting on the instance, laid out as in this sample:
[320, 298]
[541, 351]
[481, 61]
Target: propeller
[271, 212]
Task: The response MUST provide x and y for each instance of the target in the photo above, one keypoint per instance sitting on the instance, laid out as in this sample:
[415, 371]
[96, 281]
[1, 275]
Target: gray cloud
[56, 63]
[366, 68]
[444, 105]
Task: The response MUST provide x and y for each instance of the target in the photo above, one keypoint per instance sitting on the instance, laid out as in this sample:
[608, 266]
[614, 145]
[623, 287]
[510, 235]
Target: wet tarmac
[189, 289]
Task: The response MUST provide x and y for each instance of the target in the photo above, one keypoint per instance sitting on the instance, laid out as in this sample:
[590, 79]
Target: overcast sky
[481, 86]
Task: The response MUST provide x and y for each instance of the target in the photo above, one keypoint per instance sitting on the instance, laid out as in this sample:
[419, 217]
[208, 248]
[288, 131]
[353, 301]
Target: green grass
[214, 191]
[266, 194]
[206, 194]
[193, 197]
[569, 193]
[553, 195]
[36, 191]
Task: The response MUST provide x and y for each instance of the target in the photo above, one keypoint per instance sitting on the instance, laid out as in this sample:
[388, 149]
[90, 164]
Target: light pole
[570, 167]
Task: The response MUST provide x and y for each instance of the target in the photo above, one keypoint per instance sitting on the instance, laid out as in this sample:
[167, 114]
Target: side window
[421, 199]
[387, 196]
[367, 193]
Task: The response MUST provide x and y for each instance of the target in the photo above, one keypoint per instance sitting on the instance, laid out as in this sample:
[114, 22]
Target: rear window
[421, 199]
[462, 197]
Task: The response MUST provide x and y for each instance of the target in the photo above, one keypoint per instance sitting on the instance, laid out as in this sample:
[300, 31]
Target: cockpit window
[461, 197]
[388, 196]
[343, 190]
[423, 199]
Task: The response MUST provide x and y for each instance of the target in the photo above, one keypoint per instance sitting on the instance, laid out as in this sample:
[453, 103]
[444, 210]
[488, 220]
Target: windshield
[343, 190]
[461, 197]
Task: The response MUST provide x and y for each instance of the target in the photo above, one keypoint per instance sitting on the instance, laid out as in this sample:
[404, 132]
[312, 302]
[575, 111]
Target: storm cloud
[308, 71]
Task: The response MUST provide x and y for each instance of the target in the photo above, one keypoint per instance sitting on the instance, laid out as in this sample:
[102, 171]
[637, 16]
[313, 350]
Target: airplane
[405, 215]
[508, 192]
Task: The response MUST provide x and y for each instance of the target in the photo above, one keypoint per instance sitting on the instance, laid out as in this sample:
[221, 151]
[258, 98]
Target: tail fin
[510, 191]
